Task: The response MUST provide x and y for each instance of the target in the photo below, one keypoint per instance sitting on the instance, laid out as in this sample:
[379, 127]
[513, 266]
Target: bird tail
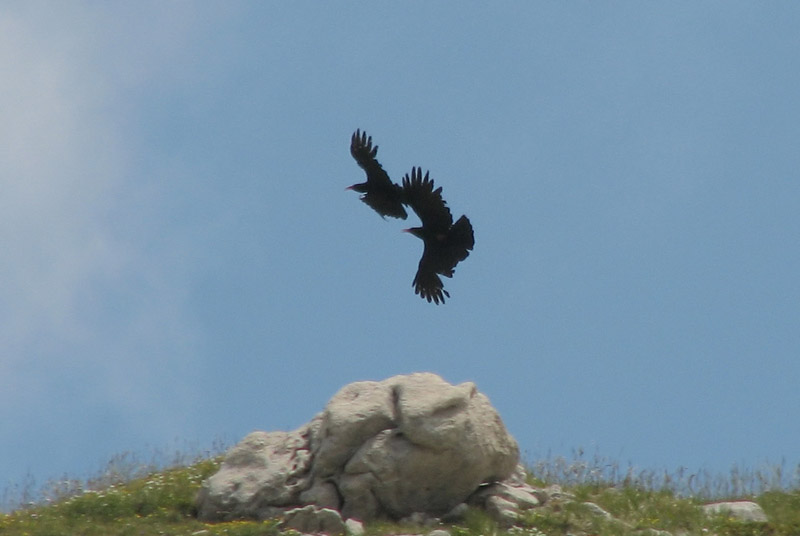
[462, 234]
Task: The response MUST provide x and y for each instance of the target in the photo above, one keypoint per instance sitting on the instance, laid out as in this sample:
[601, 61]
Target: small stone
[555, 493]
[522, 497]
[354, 527]
[596, 510]
[501, 510]
[311, 520]
[741, 510]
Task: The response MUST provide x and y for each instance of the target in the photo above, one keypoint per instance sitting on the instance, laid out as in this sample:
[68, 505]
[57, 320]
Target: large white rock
[391, 448]
[442, 443]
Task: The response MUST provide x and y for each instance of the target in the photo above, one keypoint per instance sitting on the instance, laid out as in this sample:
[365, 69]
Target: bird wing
[380, 193]
[364, 154]
[418, 193]
[427, 283]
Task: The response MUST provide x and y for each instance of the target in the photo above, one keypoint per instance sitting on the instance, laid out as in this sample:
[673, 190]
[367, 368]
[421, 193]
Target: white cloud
[54, 184]
[79, 292]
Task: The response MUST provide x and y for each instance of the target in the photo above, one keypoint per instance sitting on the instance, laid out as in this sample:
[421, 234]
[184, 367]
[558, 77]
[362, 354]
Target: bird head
[360, 188]
[416, 231]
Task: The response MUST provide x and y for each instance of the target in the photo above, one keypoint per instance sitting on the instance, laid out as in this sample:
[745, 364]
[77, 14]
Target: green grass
[124, 502]
[161, 503]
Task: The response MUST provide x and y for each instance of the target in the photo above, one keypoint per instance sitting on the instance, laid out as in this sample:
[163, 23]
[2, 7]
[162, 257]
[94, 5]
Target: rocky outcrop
[506, 501]
[405, 445]
[414, 449]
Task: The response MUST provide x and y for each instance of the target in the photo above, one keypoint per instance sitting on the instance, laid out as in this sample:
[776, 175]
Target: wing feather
[427, 202]
[365, 154]
[428, 284]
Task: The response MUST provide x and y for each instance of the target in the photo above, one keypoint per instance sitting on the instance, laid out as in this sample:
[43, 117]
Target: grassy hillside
[643, 503]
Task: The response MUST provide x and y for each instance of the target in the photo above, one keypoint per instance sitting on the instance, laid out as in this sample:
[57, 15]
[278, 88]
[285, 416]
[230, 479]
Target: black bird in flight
[379, 192]
[446, 243]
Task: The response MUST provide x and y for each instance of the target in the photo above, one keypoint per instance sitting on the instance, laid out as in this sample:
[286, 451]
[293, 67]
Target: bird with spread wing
[445, 243]
[379, 192]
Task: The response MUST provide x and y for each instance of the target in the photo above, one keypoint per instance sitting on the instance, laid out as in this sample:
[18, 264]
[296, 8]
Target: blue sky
[182, 263]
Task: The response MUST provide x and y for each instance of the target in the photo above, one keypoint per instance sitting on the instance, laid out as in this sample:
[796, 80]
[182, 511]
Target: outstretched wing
[379, 192]
[419, 194]
[427, 283]
[364, 154]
